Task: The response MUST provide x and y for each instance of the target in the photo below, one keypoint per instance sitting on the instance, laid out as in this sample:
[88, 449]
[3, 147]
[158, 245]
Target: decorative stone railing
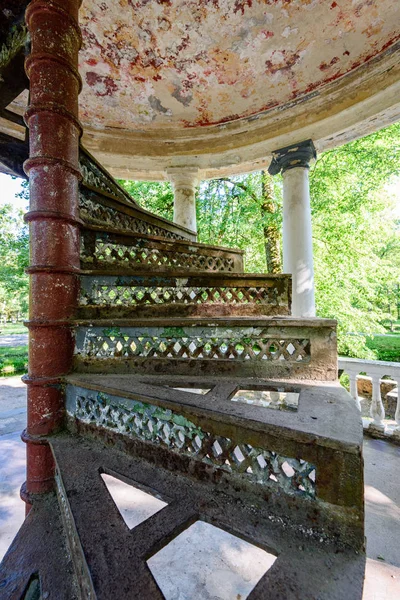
[376, 369]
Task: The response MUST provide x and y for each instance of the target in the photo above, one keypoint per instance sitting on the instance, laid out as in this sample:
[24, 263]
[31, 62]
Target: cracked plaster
[198, 62]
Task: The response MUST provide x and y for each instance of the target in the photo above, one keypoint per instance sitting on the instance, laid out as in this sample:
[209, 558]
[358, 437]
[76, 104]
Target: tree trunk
[271, 230]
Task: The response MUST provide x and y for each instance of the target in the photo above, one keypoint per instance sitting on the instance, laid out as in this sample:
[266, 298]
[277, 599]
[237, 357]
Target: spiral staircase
[192, 382]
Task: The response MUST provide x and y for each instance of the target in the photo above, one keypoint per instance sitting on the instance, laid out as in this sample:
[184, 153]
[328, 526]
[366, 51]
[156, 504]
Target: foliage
[230, 213]
[355, 232]
[13, 360]
[156, 197]
[385, 347]
[356, 236]
[14, 259]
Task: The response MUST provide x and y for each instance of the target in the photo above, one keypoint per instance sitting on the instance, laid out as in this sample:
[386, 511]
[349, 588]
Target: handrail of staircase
[376, 369]
[97, 179]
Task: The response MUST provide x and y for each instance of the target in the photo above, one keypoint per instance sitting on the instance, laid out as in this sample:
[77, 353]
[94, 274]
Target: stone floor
[19, 339]
[382, 495]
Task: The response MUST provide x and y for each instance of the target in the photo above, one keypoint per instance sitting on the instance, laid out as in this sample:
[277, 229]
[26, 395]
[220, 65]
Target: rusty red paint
[53, 169]
[103, 85]
[241, 5]
[268, 34]
[325, 66]
[160, 46]
[286, 63]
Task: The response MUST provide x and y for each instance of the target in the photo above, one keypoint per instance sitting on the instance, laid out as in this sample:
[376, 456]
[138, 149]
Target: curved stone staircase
[192, 382]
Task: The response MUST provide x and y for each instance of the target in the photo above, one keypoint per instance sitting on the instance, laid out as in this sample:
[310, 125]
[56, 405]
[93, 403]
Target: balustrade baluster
[397, 414]
[354, 389]
[377, 409]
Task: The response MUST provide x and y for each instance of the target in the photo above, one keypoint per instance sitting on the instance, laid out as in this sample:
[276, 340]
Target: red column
[53, 169]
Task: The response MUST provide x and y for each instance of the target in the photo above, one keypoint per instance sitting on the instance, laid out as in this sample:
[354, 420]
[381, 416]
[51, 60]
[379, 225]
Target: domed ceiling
[180, 64]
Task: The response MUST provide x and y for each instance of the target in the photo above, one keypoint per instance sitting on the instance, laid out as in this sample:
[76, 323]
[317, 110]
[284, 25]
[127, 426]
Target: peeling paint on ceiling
[151, 64]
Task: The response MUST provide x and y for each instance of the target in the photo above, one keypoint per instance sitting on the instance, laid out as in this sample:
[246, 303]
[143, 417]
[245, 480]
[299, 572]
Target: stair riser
[253, 351]
[95, 210]
[108, 251]
[184, 296]
[91, 313]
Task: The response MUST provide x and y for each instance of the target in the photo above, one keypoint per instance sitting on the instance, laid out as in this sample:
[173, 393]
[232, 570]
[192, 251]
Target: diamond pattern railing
[126, 294]
[99, 214]
[192, 343]
[111, 251]
[162, 426]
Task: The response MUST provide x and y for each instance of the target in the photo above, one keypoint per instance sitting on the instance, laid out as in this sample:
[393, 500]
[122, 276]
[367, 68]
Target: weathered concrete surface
[195, 63]
[382, 581]
[220, 85]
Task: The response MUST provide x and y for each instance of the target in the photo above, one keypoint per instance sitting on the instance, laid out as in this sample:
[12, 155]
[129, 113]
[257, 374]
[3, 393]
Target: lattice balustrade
[94, 176]
[191, 343]
[107, 253]
[162, 426]
[99, 214]
[128, 294]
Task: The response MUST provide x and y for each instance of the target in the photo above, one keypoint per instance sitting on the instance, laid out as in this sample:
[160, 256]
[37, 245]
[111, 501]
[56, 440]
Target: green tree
[355, 229]
[156, 197]
[356, 235]
[14, 259]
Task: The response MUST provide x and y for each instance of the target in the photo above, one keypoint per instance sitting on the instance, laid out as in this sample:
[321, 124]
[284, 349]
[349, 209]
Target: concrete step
[176, 294]
[103, 202]
[120, 560]
[38, 564]
[108, 249]
[247, 435]
[281, 347]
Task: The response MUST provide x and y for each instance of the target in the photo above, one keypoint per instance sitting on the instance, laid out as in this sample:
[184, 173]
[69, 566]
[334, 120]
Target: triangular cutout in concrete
[134, 504]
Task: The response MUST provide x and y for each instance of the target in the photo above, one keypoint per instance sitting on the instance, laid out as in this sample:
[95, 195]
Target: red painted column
[53, 169]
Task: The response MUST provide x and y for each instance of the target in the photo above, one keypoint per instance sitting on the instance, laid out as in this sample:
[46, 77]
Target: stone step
[177, 294]
[275, 440]
[38, 565]
[103, 202]
[124, 563]
[110, 250]
[280, 347]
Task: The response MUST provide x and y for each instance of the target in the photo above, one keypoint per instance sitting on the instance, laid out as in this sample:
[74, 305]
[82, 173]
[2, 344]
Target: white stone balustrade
[376, 369]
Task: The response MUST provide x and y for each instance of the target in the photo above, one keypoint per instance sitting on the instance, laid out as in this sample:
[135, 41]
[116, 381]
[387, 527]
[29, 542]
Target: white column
[293, 162]
[184, 181]
[297, 241]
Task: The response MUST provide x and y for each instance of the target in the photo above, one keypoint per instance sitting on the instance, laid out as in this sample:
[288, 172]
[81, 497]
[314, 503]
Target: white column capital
[183, 177]
[293, 157]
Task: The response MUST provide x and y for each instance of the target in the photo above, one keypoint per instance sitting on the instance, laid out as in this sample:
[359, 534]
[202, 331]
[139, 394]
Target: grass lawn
[386, 346]
[13, 360]
[12, 328]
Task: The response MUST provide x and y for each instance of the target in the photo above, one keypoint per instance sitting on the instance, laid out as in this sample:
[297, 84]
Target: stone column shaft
[294, 162]
[184, 182]
[53, 169]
